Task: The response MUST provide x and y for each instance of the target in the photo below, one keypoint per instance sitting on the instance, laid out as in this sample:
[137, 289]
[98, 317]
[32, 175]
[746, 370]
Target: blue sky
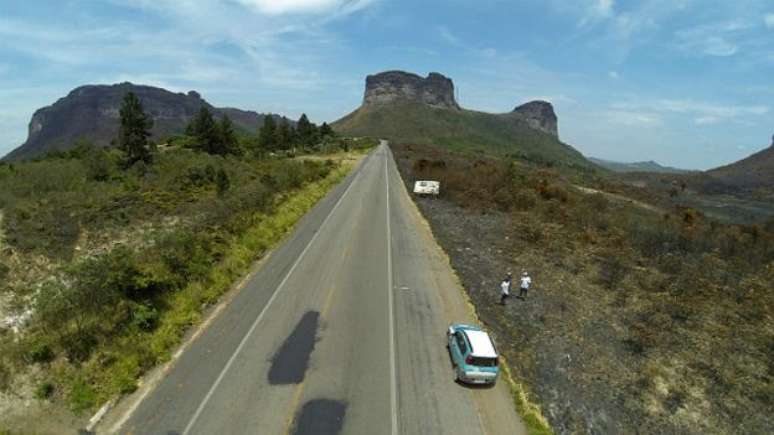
[688, 83]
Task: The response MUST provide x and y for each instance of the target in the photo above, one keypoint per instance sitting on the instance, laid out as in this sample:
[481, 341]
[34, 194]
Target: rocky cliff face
[434, 90]
[92, 112]
[539, 115]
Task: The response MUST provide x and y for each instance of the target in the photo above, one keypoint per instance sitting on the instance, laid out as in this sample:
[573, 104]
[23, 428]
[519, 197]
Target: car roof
[480, 344]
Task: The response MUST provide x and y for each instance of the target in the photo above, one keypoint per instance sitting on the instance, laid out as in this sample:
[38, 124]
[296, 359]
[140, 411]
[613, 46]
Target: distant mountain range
[649, 166]
[92, 112]
[398, 105]
[751, 178]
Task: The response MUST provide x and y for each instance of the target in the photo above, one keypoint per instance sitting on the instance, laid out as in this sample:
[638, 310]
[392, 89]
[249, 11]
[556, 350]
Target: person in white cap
[526, 281]
[505, 289]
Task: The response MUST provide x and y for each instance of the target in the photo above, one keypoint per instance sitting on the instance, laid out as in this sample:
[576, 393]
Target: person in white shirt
[526, 281]
[505, 289]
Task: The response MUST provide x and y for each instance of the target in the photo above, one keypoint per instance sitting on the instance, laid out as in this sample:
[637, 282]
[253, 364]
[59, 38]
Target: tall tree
[285, 135]
[134, 131]
[267, 136]
[307, 131]
[227, 141]
[326, 130]
[205, 130]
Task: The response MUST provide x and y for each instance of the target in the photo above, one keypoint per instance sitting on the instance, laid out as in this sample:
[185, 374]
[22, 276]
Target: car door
[460, 348]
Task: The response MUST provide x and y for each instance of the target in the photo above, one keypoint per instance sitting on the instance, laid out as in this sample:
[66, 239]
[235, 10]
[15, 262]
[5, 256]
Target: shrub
[82, 395]
[528, 228]
[106, 277]
[552, 191]
[5, 376]
[41, 352]
[222, 182]
[44, 391]
[144, 317]
[613, 269]
[524, 200]
[123, 374]
[186, 257]
[98, 165]
[78, 343]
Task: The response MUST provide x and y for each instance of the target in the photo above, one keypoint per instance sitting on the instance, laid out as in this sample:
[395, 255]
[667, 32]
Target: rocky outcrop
[92, 112]
[539, 115]
[434, 90]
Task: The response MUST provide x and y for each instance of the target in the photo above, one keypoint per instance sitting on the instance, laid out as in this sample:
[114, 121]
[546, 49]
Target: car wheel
[456, 375]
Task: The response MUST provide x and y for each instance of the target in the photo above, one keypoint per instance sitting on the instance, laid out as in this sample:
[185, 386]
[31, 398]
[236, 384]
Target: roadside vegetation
[642, 319]
[107, 256]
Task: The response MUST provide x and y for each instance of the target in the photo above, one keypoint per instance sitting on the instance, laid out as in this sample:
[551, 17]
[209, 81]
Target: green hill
[649, 166]
[461, 130]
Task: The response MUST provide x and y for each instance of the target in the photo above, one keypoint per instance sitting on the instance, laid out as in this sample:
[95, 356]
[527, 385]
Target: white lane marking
[258, 319]
[98, 416]
[394, 386]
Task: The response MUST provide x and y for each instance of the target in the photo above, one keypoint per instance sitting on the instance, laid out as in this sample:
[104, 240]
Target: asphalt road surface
[340, 330]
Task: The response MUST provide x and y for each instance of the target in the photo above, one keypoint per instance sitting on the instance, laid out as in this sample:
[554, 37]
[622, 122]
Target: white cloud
[604, 7]
[632, 118]
[212, 46]
[553, 99]
[613, 75]
[713, 39]
[448, 36]
[614, 31]
[595, 11]
[716, 46]
[710, 109]
[456, 41]
[702, 113]
[186, 51]
[279, 7]
[706, 120]
[768, 20]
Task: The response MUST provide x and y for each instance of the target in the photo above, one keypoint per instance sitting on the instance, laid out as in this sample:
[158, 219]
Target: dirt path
[620, 198]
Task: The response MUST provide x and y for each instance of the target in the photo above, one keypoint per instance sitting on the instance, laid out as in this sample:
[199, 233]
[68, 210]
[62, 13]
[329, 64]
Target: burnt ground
[596, 359]
[531, 333]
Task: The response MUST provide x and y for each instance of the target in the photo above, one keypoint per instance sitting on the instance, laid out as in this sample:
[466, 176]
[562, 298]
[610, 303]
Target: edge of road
[148, 382]
[530, 412]
[268, 304]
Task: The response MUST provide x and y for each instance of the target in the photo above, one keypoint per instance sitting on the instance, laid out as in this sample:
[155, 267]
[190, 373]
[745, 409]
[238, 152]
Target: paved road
[341, 330]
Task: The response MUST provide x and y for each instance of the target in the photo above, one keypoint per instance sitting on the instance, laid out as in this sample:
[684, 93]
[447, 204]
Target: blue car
[473, 354]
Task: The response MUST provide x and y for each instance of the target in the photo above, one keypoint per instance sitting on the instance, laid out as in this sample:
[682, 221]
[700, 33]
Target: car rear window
[484, 362]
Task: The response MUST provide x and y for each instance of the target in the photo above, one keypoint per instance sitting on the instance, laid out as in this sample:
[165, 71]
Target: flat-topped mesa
[434, 90]
[539, 115]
